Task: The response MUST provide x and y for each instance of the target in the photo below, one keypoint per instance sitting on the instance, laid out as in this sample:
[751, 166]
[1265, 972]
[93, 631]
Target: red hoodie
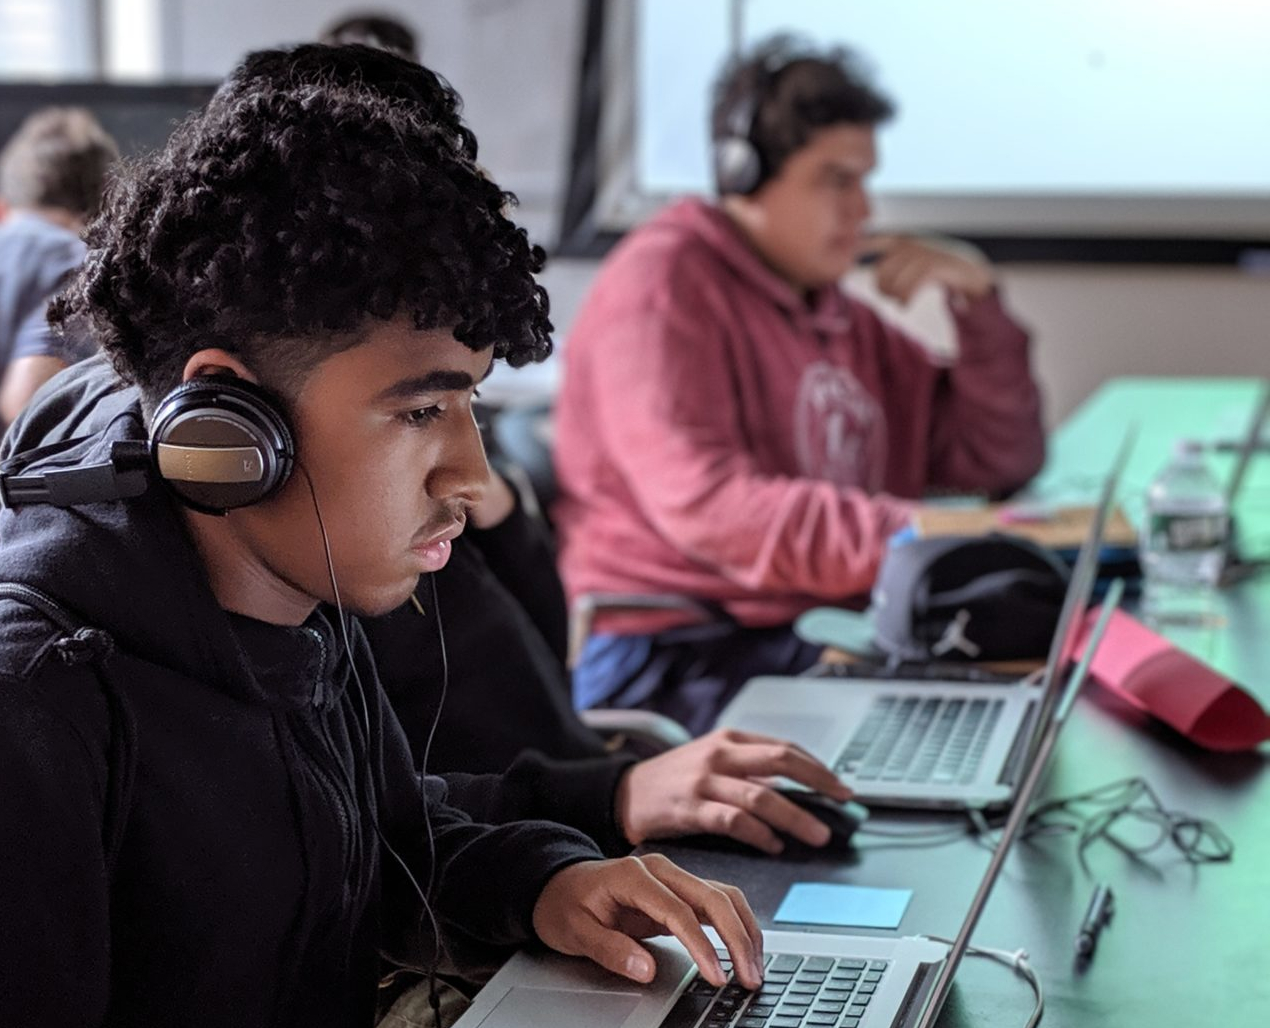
[718, 437]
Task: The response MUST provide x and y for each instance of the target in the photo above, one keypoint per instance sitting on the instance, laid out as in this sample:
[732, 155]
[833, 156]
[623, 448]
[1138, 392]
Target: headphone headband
[739, 165]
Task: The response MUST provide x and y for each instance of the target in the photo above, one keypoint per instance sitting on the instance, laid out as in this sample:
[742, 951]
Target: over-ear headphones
[219, 442]
[739, 165]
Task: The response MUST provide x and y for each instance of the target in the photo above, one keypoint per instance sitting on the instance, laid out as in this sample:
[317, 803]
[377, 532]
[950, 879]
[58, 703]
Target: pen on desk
[1098, 914]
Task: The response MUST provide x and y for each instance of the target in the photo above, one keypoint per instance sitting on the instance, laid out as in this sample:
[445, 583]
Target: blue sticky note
[843, 906]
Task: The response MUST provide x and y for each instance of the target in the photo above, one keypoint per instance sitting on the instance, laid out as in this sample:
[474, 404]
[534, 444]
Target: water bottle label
[1186, 532]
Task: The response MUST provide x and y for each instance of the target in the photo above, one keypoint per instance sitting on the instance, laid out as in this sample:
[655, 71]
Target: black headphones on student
[217, 441]
[739, 165]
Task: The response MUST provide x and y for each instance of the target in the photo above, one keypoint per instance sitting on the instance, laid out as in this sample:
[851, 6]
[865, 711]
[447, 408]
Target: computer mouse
[843, 818]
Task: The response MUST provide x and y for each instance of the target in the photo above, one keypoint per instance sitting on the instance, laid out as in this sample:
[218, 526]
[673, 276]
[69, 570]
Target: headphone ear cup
[220, 443]
[738, 169]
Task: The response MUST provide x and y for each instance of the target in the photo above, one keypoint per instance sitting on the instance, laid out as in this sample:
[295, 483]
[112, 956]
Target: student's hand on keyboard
[599, 908]
[709, 786]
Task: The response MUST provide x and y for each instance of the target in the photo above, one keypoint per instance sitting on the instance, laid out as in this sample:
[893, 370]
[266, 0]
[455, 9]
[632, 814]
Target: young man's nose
[462, 472]
[857, 205]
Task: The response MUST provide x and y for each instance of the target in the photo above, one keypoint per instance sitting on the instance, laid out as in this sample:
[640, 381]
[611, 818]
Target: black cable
[434, 1000]
[1124, 801]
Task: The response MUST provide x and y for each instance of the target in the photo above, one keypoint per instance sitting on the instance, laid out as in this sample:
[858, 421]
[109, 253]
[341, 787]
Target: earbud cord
[434, 1000]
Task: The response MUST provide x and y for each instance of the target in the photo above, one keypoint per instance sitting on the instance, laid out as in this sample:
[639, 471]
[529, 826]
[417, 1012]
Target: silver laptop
[1239, 564]
[811, 979]
[1247, 447]
[928, 744]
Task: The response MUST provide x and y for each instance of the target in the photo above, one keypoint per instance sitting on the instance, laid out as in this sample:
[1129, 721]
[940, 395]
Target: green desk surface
[1164, 410]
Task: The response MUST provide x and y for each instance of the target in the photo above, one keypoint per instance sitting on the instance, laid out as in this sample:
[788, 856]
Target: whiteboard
[1102, 117]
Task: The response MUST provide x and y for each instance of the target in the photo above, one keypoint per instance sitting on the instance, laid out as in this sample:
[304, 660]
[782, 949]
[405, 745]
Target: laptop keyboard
[938, 740]
[816, 992]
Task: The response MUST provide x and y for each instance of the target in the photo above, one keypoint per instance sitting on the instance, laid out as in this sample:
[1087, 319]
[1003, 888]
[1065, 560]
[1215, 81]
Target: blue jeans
[688, 673]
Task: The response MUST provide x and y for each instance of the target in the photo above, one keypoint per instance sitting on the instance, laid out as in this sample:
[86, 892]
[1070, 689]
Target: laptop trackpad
[560, 1008]
[818, 733]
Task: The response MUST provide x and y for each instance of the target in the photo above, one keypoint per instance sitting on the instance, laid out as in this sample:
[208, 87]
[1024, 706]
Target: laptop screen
[1247, 447]
[1079, 591]
[1022, 801]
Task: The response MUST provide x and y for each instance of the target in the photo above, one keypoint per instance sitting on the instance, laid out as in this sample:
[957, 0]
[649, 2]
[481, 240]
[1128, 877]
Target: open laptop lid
[1076, 601]
[1019, 809]
[1249, 446]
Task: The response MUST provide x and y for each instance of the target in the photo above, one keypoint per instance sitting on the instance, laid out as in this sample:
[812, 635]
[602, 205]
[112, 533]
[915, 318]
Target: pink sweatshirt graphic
[719, 437]
[839, 431]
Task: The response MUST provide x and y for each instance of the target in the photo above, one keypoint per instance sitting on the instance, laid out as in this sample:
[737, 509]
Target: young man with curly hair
[211, 815]
[733, 427]
[509, 710]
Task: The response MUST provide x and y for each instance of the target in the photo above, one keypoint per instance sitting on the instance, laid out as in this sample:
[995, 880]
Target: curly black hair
[320, 188]
[785, 89]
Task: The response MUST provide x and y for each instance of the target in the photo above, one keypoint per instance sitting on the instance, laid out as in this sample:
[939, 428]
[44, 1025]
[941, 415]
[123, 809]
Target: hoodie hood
[826, 308]
[130, 567]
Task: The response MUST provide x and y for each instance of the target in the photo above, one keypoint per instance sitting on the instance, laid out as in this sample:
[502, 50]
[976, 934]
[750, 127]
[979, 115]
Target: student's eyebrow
[841, 169]
[440, 381]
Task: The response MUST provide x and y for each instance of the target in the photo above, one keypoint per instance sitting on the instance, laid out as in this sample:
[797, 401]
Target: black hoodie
[508, 707]
[191, 801]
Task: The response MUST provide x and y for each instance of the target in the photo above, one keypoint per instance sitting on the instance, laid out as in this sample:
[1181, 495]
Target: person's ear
[215, 361]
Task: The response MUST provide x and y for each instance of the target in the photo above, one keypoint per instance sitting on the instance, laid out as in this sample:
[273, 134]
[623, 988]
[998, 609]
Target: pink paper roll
[1186, 694]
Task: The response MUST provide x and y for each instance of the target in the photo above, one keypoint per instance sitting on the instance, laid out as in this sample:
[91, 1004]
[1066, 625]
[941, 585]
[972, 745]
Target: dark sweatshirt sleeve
[577, 793]
[488, 877]
[520, 553]
[482, 881]
[55, 941]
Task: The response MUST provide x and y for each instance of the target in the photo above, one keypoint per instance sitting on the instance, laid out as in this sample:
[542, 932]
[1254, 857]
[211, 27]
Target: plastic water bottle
[1183, 544]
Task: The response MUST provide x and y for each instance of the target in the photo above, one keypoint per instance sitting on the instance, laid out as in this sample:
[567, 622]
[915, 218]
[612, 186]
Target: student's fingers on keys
[615, 952]
[722, 910]
[772, 810]
[743, 908]
[639, 886]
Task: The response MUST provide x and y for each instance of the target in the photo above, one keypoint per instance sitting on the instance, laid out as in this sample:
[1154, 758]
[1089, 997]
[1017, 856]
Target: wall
[1092, 323]
[514, 62]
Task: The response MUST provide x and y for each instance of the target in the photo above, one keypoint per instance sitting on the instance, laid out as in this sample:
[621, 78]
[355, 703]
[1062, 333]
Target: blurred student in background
[52, 174]
[375, 30]
[734, 428]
